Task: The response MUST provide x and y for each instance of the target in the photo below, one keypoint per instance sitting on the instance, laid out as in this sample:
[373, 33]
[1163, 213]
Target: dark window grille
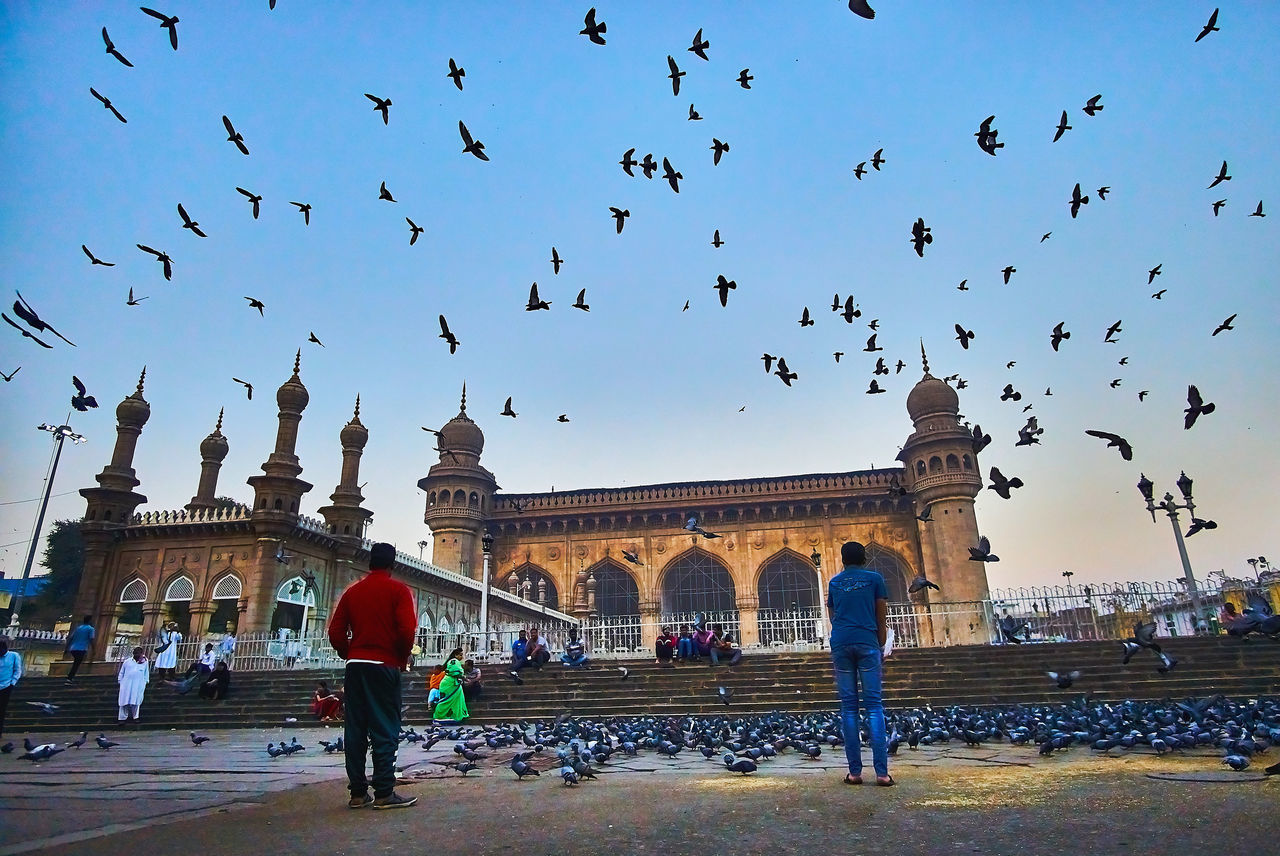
[697, 582]
[616, 590]
[788, 581]
[893, 570]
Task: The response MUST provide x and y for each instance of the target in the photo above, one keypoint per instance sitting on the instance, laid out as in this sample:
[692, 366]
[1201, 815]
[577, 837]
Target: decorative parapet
[961, 477]
[782, 487]
[199, 515]
[312, 524]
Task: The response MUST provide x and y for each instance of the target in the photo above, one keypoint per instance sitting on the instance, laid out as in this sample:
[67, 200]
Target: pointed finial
[217, 429]
[464, 396]
[356, 417]
[924, 359]
[141, 379]
[297, 364]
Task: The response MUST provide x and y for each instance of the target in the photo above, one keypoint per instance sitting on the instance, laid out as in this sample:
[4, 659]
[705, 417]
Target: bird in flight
[860, 170]
[964, 284]
[980, 440]
[675, 74]
[255, 303]
[414, 231]
[717, 149]
[248, 387]
[1154, 272]
[94, 259]
[1010, 394]
[581, 302]
[837, 355]
[1103, 191]
[471, 146]
[1211, 27]
[383, 193]
[1225, 325]
[564, 417]
[381, 105]
[1114, 441]
[987, 137]
[920, 235]
[535, 302]
[188, 223]
[724, 286]
[8, 377]
[1220, 177]
[700, 45]
[982, 552]
[163, 258]
[592, 30]
[672, 177]
[1111, 332]
[1002, 485]
[631, 557]
[1063, 127]
[305, 209]
[649, 166]
[167, 22]
[876, 160]
[1257, 212]
[872, 347]
[1196, 407]
[254, 200]
[28, 314]
[851, 311]
[1058, 334]
[556, 261]
[920, 583]
[1029, 434]
[1092, 106]
[1045, 237]
[628, 161]
[620, 215]
[1159, 295]
[805, 320]
[783, 372]
[1077, 200]
[694, 115]
[106, 102]
[744, 79]
[456, 73]
[715, 240]
[24, 332]
[1217, 206]
[312, 338]
[82, 401]
[963, 336]
[133, 301]
[860, 7]
[1008, 272]
[448, 336]
[234, 136]
[111, 49]
[506, 409]
[768, 362]
[874, 388]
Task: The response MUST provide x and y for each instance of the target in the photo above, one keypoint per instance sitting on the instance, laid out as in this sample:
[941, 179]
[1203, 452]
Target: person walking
[133, 676]
[167, 651]
[10, 674]
[858, 601]
[78, 645]
[372, 629]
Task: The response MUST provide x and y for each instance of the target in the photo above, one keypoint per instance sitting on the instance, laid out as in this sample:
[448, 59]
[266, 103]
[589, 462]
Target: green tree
[64, 558]
[227, 502]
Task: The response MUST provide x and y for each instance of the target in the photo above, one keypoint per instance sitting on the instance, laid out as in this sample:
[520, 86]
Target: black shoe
[393, 801]
[359, 801]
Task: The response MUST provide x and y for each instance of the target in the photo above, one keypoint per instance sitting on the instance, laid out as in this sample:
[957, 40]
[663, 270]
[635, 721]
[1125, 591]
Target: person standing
[167, 659]
[372, 629]
[451, 707]
[859, 603]
[78, 645]
[132, 677]
[227, 647]
[10, 674]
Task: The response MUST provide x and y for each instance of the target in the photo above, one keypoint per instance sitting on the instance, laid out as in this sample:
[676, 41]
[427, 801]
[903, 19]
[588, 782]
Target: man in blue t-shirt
[78, 645]
[859, 602]
[519, 652]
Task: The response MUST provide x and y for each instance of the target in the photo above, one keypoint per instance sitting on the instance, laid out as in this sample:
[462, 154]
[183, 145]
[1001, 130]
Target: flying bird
[1058, 334]
[920, 584]
[860, 7]
[805, 320]
[920, 235]
[24, 332]
[744, 79]
[1221, 176]
[694, 115]
[620, 215]
[964, 284]
[535, 303]
[94, 259]
[1225, 325]
[1045, 237]
[1217, 206]
[111, 49]
[1159, 295]
[672, 177]
[312, 338]
[305, 209]
[1114, 441]
[28, 314]
[507, 411]
[783, 372]
[700, 45]
[1210, 27]
[456, 73]
[874, 388]
[876, 160]
[1103, 191]
[592, 30]
[628, 162]
[81, 400]
[979, 440]
[837, 355]
[248, 387]
[1199, 525]
[255, 303]
[234, 136]
[1077, 200]
[860, 170]
[556, 261]
[872, 347]
[963, 336]
[1008, 272]
[675, 74]
[1092, 106]
[254, 200]
[471, 146]
[715, 240]
[1111, 332]
[448, 336]
[1153, 273]
[768, 362]
[383, 193]
[1257, 212]
[631, 557]
[1029, 434]
[717, 149]
[987, 137]
[381, 105]
[724, 286]
[414, 231]
[581, 302]
[982, 552]
[106, 102]
[851, 311]
[1002, 485]
[881, 368]
[649, 166]
[8, 377]
[188, 223]
[1196, 407]
[1064, 680]
[167, 22]
[1063, 127]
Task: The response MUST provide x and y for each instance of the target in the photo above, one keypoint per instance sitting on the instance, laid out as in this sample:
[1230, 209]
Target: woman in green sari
[452, 706]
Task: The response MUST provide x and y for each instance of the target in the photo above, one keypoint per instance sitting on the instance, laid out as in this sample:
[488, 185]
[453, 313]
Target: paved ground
[156, 793]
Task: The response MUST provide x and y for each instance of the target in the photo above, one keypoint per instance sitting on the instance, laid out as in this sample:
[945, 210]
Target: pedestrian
[78, 644]
[451, 708]
[167, 651]
[702, 638]
[575, 652]
[372, 629]
[199, 671]
[859, 602]
[218, 682]
[133, 676]
[10, 674]
[684, 645]
[227, 647]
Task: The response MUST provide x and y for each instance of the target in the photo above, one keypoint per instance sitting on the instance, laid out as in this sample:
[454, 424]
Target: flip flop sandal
[886, 782]
[851, 779]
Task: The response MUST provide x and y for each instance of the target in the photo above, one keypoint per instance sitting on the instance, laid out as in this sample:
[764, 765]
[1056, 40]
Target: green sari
[452, 706]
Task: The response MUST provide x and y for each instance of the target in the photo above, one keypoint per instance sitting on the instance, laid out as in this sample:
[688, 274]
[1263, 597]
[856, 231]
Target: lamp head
[1184, 485]
[1146, 488]
[816, 558]
[486, 542]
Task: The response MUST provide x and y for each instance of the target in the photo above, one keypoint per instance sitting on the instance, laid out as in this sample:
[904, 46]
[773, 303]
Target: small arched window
[968, 462]
[431, 499]
[920, 469]
[278, 505]
[459, 498]
[935, 464]
[134, 592]
[227, 588]
[475, 500]
[106, 515]
[953, 463]
[180, 589]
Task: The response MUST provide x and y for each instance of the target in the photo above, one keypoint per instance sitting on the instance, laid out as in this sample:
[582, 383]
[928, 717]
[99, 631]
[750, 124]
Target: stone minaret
[110, 507]
[279, 489]
[942, 473]
[345, 516]
[213, 451]
[459, 494]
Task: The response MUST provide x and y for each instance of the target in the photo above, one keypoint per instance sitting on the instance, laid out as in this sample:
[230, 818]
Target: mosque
[760, 555]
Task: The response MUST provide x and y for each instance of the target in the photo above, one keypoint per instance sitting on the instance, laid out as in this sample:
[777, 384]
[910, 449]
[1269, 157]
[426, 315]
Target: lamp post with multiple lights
[1171, 508]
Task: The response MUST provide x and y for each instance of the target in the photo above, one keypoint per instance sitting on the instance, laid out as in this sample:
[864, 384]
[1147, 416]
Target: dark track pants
[372, 721]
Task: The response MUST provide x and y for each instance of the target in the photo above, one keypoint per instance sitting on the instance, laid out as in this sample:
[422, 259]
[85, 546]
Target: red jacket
[378, 614]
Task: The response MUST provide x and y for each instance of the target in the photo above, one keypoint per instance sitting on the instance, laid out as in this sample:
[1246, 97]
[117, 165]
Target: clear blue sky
[653, 392]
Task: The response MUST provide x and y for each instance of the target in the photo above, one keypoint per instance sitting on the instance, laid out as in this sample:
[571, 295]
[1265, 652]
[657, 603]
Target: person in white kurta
[133, 677]
[168, 658]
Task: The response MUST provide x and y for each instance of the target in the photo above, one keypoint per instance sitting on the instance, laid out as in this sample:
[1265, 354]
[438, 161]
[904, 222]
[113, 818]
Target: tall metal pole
[59, 436]
[1172, 510]
[486, 547]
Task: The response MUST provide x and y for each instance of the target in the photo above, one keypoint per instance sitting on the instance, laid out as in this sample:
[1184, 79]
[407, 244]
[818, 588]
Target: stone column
[748, 626]
[649, 616]
[201, 612]
[151, 617]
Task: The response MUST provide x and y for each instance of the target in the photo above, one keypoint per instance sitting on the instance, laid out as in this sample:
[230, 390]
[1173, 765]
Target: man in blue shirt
[859, 601]
[10, 672]
[519, 650]
[78, 644]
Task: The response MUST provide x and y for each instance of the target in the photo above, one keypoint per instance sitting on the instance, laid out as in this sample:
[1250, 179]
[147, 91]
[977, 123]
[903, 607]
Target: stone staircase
[970, 675]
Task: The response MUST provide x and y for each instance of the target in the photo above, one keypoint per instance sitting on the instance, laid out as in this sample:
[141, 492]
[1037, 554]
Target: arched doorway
[132, 596]
[616, 591]
[697, 582]
[787, 588]
[177, 602]
[295, 602]
[893, 569]
[226, 600]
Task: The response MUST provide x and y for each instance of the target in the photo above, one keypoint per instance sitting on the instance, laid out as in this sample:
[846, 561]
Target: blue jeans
[734, 656]
[852, 662]
[684, 646]
[574, 662]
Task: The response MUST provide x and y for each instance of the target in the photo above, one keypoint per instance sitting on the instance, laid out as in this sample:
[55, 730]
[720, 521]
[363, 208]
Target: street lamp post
[1170, 507]
[486, 546]
[816, 558]
[422, 545]
[61, 433]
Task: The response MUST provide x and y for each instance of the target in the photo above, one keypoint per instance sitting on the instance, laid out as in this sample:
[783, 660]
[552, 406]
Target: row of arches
[953, 463]
[457, 498]
[699, 581]
[295, 600]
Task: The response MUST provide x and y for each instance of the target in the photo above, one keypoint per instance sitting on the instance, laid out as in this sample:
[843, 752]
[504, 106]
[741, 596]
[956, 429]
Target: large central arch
[533, 583]
[696, 581]
[616, 591]
[787, 581]
[894, 570]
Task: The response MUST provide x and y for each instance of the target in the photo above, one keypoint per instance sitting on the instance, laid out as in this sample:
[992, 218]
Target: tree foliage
[64, 557]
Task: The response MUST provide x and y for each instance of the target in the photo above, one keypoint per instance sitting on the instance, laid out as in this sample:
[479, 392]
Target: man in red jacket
[373, 628]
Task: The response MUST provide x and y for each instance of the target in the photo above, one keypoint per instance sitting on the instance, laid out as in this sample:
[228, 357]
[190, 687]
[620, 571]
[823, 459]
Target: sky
[654, 392]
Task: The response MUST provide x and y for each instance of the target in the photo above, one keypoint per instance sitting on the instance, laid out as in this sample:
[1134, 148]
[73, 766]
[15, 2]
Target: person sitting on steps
[575, 652]
[684, 645]
[723, 647]
[665, 647]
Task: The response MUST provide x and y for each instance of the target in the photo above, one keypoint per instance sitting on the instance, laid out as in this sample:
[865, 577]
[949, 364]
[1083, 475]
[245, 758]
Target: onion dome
[460, 433]
[292, 396]
[215, 446]
[354, 434]
[134, 410]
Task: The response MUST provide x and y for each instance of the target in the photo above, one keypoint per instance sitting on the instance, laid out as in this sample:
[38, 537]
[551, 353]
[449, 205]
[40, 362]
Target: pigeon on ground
[103, 742]
[198, 739]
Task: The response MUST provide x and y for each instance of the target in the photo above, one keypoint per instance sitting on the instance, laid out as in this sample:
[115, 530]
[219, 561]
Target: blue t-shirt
[80, 638]
[518, 648]
[851, 596]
